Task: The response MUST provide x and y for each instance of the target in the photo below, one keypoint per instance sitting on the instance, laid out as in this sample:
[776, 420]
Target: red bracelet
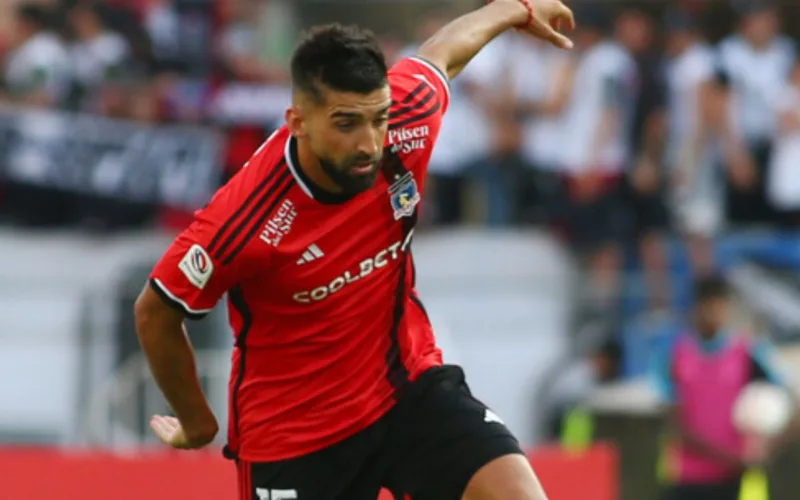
[529, 7]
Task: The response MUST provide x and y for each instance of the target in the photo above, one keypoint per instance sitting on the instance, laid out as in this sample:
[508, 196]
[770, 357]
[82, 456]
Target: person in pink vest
[700, 376]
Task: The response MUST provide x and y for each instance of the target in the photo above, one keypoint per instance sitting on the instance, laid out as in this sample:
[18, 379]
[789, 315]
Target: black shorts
[429, 446]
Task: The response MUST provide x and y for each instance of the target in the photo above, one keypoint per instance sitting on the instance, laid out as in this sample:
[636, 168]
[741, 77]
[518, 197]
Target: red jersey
[320, 287]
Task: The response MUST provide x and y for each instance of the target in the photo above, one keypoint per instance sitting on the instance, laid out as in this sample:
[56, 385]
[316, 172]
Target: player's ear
[295, 122]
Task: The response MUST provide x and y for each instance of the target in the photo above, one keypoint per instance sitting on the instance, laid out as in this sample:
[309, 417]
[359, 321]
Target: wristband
[529, 8]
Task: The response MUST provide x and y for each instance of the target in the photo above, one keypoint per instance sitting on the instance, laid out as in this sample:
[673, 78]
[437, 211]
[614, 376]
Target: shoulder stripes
[408, 108]
[245, 222]
[426, 99]
[415, 118]
[413, 107]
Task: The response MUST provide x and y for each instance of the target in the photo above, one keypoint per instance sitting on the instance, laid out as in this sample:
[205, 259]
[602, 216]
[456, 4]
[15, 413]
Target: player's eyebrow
[346, 114]
[356, 114]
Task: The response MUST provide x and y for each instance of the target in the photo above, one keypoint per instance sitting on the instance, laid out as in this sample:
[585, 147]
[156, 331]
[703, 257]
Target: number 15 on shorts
[265, 494]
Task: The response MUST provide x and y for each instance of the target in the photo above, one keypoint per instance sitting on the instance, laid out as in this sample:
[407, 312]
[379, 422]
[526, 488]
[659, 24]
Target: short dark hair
[711, 287]
[342, 58]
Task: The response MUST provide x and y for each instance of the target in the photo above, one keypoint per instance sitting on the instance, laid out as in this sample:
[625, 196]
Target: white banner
[170, 165]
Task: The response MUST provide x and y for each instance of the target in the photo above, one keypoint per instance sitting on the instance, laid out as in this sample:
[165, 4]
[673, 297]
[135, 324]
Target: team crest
[404, 196]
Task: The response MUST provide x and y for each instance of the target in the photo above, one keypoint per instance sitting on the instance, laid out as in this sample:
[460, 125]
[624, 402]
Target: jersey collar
[306, 184]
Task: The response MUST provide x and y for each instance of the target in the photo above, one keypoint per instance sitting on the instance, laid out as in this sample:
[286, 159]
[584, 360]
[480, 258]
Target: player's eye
[381, 121]
[347, 126]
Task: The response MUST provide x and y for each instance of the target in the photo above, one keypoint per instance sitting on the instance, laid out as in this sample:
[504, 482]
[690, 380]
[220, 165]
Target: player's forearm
[169, 353]
[452, 47]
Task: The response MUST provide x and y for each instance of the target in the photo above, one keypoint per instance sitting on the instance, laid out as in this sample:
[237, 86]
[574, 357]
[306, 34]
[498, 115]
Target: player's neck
[311, 167]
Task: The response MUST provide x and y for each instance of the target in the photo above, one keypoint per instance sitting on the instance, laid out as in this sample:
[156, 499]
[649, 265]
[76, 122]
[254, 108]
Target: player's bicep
[154, 312]
[188, 278]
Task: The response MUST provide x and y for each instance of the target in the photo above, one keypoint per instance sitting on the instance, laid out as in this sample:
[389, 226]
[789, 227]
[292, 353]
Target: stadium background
[107, 147]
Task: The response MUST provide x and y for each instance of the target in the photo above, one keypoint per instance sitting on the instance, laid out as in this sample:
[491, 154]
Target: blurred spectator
[645, 194]
[162, 24]
[541, 77]
[695, 179]
[493, 139]
[125, 17]
[36, 69]
[574, 383]
[239, 47]
[595, 150]
[98, 57]
[700, 377]
[783, 183]
[753, 66]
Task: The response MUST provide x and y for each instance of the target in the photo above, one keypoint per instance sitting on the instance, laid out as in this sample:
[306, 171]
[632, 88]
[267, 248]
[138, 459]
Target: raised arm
[452, 47]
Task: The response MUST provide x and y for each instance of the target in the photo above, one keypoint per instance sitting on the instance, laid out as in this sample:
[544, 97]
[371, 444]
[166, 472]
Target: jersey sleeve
[202, 263]
[413, 79]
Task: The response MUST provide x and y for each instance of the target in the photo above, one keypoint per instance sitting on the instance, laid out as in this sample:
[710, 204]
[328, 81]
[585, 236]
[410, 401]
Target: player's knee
[509, 477]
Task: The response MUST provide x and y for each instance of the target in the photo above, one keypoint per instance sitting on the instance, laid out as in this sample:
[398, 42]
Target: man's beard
[343, 176]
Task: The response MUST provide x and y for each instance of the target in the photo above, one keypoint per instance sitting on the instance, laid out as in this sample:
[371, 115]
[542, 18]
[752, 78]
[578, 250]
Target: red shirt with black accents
[320, 286]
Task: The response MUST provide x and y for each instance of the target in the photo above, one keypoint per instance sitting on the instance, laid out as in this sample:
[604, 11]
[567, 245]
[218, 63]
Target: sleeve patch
[197, 266]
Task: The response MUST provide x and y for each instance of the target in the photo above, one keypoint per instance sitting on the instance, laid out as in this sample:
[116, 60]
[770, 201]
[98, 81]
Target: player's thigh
[446, 436]
[345, 471]
[509, 477]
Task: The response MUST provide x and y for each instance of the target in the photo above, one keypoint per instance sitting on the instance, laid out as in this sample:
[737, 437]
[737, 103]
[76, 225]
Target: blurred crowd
[152, 60]
[220, 65]
[648, 128]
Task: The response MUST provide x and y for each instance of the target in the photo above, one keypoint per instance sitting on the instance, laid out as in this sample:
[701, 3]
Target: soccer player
[337, 387]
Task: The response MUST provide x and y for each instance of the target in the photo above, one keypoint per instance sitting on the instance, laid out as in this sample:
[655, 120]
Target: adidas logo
[491, 417]
[312, 253]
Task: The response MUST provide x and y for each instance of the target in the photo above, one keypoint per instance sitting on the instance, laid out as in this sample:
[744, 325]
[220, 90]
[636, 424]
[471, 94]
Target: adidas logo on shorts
[491, 417]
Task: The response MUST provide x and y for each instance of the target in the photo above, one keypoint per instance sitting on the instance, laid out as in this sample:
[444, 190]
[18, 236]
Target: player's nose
[370, 144]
